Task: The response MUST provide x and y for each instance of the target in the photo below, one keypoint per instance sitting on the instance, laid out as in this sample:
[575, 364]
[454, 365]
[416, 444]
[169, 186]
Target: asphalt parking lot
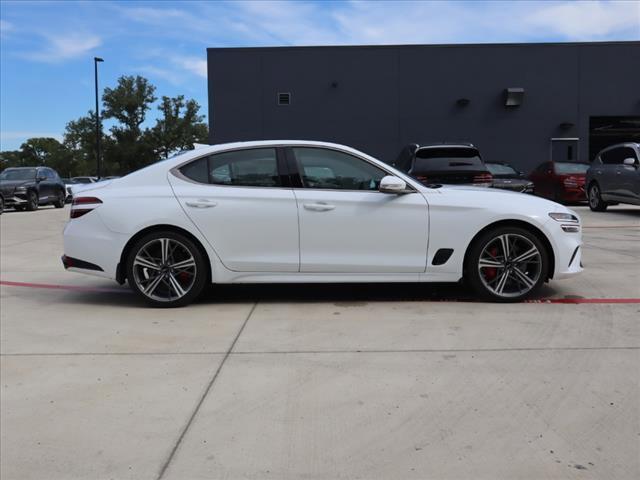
[319, 382]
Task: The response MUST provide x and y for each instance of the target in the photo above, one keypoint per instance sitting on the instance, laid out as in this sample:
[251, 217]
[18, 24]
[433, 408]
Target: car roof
[447, 145]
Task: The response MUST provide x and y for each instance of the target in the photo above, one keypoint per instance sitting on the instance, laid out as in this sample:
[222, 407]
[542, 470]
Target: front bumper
[16, 199]
[567, 249]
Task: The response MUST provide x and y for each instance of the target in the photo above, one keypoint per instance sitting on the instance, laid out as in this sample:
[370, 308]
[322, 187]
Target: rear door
[244, 207]
[347, 225]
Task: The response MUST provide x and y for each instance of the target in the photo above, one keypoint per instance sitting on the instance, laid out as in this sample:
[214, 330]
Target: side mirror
[629, 161]
[41, 178]
[392, 184]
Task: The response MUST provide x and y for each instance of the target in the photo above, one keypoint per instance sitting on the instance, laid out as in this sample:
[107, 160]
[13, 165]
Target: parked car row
[27, 188]
[613, 177]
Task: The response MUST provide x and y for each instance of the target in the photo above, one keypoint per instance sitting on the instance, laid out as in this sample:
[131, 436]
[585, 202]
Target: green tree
[46, 151]
[179, 127]
[80, 140]
[11, 158]
[128, 103]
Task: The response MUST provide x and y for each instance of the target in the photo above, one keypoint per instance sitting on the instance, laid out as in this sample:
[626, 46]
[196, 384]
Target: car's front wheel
[59, 201]
[166, 269]
[506, 264]
[32, 201]
[595, 199]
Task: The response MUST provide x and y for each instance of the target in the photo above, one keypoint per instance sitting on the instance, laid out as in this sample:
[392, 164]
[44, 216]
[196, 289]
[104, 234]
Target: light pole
[95, 67]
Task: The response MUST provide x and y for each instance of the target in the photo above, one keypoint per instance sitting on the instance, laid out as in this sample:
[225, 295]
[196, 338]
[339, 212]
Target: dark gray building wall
[378, 99]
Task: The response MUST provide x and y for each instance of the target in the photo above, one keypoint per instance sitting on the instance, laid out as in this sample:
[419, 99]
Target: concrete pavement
[318, 382]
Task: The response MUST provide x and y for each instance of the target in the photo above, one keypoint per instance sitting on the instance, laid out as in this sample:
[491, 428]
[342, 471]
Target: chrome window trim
[175, 171]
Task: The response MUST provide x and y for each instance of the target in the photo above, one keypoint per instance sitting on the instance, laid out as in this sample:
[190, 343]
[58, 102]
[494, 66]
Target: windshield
[447, 158]
[501, 169]
[19, 174]
[565, 167]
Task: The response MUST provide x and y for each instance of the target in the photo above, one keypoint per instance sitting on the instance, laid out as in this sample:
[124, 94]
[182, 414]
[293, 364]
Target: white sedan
[304, 211]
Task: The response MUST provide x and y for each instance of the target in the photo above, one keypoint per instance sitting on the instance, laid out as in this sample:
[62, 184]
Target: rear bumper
[574, 194]
[89, 241]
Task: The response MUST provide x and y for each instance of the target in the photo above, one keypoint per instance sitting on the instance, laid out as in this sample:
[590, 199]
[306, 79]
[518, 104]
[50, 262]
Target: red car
[560, 181]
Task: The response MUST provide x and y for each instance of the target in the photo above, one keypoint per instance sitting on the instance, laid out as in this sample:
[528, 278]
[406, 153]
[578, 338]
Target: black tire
[32, 201]
[1, 205]
[514, 289]
[596, 203]
[18, 208]
[60, 199]
[161, 295]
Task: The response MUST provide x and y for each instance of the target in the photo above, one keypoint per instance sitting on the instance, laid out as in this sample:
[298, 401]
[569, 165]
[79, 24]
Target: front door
[238, 201]
[347, 225]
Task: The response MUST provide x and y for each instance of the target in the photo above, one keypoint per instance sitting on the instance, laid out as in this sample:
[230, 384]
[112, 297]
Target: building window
[284, 98]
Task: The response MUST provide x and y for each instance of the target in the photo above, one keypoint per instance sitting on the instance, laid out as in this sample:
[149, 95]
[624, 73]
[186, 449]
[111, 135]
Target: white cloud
[195, 65]
[61, 47]
[5, 27]
[587, 20]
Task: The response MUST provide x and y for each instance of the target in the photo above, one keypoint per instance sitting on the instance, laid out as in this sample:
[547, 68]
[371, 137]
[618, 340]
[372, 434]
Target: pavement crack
[174, 450]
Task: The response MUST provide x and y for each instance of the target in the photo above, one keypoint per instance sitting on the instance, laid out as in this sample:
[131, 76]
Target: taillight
[87, 203]
[486, 178]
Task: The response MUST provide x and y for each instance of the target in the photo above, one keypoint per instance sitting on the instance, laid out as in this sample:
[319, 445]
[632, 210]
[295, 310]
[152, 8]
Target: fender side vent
[442, 256]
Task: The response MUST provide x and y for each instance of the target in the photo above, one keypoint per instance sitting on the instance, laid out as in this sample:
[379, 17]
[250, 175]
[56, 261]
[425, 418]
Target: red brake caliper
[491, 272]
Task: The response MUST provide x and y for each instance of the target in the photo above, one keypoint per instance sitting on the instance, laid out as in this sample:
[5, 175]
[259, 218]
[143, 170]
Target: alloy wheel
[510, 265]
[164, 270]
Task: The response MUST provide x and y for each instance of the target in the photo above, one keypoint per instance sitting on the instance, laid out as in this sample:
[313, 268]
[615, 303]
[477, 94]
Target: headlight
[21, 189]
[564, 217]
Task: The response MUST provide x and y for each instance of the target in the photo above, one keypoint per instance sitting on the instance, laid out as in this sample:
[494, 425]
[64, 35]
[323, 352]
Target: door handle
[319, 207]
[201, 203]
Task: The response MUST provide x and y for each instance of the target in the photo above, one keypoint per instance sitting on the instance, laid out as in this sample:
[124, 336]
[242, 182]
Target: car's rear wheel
[595, 199]
[1, 205]
[32, 201]
[166, 269]
[59, 202]
[507, 264]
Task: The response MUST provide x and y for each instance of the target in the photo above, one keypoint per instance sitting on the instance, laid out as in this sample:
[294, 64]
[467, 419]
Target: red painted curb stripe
[585, 300]
[76, 288]
[79, 288]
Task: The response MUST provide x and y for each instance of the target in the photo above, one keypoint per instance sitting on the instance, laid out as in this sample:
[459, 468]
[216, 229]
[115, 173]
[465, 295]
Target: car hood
[10, 185]
[495, 200]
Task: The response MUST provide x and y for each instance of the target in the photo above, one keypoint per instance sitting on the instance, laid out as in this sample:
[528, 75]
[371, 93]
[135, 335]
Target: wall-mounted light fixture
[334, 84]
[566, 125]
[514, 96]
[463, 102]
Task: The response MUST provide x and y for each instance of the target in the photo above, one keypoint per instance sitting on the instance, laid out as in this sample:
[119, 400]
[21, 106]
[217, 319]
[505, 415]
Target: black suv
[614, 176]
[449, 163]
[28, 187]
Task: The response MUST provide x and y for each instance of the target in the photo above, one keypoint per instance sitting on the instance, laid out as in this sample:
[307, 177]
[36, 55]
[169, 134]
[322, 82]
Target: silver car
[614, 176]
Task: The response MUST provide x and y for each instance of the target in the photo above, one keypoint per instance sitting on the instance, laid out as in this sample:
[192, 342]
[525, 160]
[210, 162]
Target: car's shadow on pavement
[348, 294]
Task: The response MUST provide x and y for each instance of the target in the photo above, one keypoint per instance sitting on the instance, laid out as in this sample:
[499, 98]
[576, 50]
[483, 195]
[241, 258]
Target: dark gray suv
[614, 176]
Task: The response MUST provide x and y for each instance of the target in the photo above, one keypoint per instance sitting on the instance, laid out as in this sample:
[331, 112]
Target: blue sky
[47, 48]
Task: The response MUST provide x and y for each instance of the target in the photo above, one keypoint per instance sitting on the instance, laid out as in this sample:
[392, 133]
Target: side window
[256, 167]
[330, 169]
[610, 157]
[198, 170]
[627, 152]
[248, 168]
